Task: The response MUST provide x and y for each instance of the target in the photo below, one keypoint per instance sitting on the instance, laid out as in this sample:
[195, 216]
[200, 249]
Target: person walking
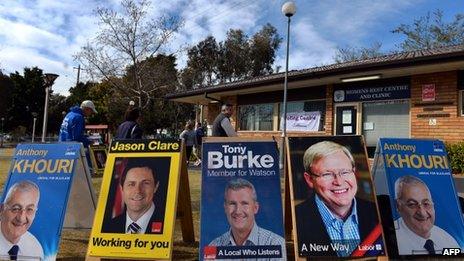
[199, 134]
[190, 139]
[130, 128]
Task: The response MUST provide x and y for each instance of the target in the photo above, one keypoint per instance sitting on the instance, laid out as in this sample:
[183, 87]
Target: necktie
[134, 228]
[429, 246]
[13, 252]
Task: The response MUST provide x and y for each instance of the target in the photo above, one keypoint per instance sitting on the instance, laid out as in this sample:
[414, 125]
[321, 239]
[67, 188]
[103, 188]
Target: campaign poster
[419, 201]
[136, 209]
[34, 199]
[241, 205]
[98, 156]
[333, 199]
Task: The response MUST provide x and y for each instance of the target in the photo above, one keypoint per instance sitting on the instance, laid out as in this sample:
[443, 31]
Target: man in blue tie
[17, 213]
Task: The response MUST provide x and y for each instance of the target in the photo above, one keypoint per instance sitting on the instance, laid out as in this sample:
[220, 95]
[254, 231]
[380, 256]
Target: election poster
[417, 198]
[35, 199]
[136, 210]
[98, 158]
[241, 205]
[333, 200]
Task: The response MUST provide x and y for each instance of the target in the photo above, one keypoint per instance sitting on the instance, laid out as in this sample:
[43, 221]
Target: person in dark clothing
[200, 133]
[190, 139]
[221, 125]
[130, 128]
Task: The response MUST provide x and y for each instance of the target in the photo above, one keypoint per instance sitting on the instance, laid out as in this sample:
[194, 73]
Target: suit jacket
[118, 224]
[311, 228]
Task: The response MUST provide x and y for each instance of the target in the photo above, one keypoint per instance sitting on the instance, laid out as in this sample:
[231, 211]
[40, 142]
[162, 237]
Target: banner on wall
[241, 205]
[136, 211]
[42, 179]
[417, 197]
[333, 202]
[302, 121]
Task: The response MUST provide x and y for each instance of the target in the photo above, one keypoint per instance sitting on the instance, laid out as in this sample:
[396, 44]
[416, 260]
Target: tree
[28, 96]
[264, 45]
[125, 39]
[237, 57]
[6, 89]
[350, 53]
[430, 32]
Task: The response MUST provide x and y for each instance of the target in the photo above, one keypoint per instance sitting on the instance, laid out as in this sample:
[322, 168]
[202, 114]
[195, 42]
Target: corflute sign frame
[138, 174]
[417, 197]
[317, 201]
[65, 198]
[241, 195]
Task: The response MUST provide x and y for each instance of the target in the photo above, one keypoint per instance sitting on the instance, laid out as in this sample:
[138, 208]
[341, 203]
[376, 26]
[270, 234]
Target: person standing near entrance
[190, 139]
[221, 125]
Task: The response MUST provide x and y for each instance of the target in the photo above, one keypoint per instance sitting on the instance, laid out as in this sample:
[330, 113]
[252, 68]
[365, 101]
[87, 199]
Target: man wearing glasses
[332, 221]
[16, 216]
[416, 233]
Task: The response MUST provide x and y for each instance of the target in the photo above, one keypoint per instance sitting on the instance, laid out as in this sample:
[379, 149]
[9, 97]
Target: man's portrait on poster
[416, 232]
[332, 215]
[142, 186]
[100, 158]
[17, 213]
[240, 207]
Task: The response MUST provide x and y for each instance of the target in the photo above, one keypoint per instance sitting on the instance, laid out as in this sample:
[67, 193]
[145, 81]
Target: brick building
[412, 94]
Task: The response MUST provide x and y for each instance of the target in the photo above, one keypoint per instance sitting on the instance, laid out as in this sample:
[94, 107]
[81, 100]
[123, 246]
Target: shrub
[456, 157]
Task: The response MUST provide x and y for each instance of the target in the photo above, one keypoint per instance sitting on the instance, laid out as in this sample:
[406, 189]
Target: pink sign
[428, 92]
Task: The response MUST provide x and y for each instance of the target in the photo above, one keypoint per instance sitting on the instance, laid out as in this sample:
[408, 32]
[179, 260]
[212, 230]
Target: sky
[48, 33]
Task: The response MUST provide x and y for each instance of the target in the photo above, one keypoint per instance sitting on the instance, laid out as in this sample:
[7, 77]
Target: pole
[44, 126]
[33, 129]
[284, 127]
[78, 74]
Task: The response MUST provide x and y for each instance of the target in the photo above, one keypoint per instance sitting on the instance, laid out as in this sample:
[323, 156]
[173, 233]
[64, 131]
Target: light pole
[2, 134]
[49, 78]
[34, 114]
[288, 9]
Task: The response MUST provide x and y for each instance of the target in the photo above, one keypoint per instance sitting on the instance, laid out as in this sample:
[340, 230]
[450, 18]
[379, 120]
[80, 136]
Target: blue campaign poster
[241, 204]
[426, 215]
[36, 226]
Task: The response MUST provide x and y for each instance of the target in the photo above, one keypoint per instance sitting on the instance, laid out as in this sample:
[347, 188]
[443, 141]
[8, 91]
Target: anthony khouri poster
[137, 205]
[333, 200]
[419, 204]
[34, 199]
[241, 205]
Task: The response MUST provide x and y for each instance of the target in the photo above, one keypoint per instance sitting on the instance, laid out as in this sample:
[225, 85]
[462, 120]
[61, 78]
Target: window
[306, 106]
[256, 117]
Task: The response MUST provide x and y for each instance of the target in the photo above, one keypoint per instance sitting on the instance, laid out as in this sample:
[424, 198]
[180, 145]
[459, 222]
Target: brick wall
[444, 110]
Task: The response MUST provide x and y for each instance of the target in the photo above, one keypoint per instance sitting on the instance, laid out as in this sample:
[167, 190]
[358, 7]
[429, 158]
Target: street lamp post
[49, 79]
[34, 114]
[288, 9]
[2, 134]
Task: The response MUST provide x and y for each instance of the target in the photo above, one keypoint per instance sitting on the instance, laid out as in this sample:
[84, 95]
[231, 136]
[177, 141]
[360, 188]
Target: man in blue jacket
[73, 126]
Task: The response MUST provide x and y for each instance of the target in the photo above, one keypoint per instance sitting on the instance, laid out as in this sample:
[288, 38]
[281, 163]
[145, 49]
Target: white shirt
[409, 243]
[28, 245]
[143, 220]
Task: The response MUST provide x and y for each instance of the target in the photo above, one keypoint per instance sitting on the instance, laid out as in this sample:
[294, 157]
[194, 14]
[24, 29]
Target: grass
[73, 244]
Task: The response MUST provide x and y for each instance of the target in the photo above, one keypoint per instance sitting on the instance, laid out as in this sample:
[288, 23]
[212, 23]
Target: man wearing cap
[73, 126]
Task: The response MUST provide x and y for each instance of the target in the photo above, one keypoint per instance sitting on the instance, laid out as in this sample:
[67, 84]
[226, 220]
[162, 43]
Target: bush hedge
[456, 157]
